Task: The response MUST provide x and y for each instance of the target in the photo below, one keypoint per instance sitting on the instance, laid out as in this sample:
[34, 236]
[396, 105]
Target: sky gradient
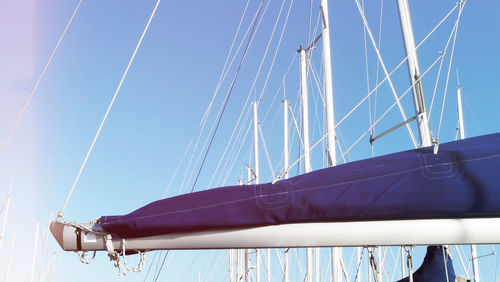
[154, 124]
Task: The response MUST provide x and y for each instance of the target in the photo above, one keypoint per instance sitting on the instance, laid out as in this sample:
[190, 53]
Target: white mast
[33, 261]
[44, 248]
[268, 265]
[461, 128]
[327, 70]
[286, 161]
[256, 142]
[231, 265]
[247, 251]
[305, 139]
[414, 72]
[330, 118]
[11, 251]
[4, 222]
[305, 109]
[257, 174]
[53, 266]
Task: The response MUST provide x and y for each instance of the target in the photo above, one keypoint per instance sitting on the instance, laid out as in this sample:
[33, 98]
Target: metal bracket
[372, 139]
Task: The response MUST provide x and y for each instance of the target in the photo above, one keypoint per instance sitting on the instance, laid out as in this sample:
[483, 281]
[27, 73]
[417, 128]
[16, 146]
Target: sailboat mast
[414, 72]
[256, 176]
[327, 71]
[305, 139]
[4, 222]
[33, 260]
[9, 263]
[256, 142]
[305, 109]
[330, 118]
[285, 169]
[461, 128]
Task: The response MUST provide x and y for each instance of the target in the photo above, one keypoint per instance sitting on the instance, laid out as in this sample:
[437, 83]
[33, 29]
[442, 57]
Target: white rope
[235, 152]
[367, 72]
[140, 265]
[177, 169]
[226, 149]
[16, 123]
[465, 269]
[61, 213]
[235, 158]
[296, 126]
[260, 68]
[190, 170]
[224, 72]
[441, 67]
[378, 69]
[392, 106]
[368, 130]
[449, 68]
[266, 151]
[84, 258]
[276, 52]
[374, 90]
[315, 79]
[393, 90]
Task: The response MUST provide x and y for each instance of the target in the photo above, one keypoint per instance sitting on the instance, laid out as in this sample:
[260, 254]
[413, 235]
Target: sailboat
[437, 194]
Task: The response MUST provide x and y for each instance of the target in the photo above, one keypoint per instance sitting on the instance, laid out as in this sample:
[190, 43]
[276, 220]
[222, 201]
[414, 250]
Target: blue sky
[168, 88]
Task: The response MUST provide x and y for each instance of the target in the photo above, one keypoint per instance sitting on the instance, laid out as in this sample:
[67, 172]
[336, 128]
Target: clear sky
[154, 124]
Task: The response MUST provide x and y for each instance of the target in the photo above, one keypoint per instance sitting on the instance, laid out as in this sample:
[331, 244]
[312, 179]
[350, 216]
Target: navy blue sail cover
[461, 181]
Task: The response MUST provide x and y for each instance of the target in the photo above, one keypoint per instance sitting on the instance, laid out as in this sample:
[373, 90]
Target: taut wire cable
[61, 213]
[28, 100]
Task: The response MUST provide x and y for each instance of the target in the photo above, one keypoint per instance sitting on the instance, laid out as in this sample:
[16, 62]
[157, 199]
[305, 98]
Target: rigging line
[440, 67]
[392, 106]
[26, 103]
[223, 72]
[315, 78]
[255, 18]
[439, 24]
[61, 213]
[265, 55]
[276, 52]
[177, 169]
[237, 154]
[265, 150]
[282, 85]
[340, 149]
[449, 67]
[367, 69]
[261, 64]
[150, 265]
[231, 152]
[465, 269]
[263, 59]
[296, 126]
[365, 22]
[161, 267]
[309, 25]
[391, 73]
[379, 43]
[226, 100]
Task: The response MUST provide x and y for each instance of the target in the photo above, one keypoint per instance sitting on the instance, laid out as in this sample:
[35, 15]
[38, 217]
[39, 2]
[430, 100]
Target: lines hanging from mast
[228, 96]
[61, 213]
